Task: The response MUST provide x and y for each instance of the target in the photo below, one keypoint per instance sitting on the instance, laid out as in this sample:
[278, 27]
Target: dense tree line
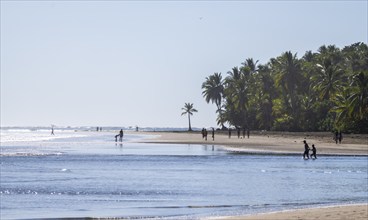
[321, 91]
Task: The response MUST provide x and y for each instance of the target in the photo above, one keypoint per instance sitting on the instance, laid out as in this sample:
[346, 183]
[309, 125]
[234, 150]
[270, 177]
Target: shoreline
[357, 211]
[282, 143]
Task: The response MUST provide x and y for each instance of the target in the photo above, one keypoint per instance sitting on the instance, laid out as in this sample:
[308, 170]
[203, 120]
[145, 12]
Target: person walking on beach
[248, 133]
[238, 130]
[340, 137]
[336, 136]
[306, 150]
[121, 134]
[213, 134]
[314, 150]
[229, 133]
[52, 130]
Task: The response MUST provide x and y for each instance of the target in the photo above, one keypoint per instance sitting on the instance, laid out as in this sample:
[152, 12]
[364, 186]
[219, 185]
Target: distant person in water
[306, 150]
[52, 130]
[121, 134]
[314, 150]
[340, 137]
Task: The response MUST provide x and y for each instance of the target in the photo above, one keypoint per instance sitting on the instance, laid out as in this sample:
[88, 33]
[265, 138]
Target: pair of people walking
[120, 135]
[205, 133]
[338, 137]
[307, 149]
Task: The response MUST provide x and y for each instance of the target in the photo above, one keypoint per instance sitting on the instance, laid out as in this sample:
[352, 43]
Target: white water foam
[24, 135]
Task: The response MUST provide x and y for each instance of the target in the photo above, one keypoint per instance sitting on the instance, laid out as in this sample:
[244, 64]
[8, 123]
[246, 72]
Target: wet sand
[269, 143]
[347, 212]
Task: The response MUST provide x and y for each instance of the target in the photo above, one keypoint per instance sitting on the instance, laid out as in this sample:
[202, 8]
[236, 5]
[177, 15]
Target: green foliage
[322, 91]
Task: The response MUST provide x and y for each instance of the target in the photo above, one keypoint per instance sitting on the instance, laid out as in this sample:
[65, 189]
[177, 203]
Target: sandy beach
[269, 143]
[345, 212]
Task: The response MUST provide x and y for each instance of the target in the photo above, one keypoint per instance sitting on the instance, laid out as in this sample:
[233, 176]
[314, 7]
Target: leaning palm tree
[188, 109]
[213, 90]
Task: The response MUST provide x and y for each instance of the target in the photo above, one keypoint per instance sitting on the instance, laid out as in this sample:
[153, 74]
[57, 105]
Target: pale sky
[127, 63]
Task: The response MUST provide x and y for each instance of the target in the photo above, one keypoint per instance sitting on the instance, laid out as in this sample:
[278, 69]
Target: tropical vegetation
[321, 91]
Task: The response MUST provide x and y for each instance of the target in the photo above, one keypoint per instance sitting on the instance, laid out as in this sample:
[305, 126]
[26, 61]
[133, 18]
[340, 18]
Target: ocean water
[87, 174]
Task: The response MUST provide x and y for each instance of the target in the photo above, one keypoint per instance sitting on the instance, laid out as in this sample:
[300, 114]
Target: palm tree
[265, 92]
[188, 109]
[328, 80]
[359, 96]
[287, 72]
[249, 67]
[237, 96]
[342, 108]
[213, 90]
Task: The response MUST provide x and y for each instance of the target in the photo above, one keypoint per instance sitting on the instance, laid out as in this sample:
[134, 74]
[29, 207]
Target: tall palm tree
[213, 90]
[188, 109]
[287, 71]
[265, 93]
[237, 92]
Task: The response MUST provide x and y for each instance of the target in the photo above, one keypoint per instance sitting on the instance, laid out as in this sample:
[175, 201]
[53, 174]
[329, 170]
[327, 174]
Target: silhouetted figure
[229, 132]
[336, 136]
[116, 137]
[340, 137]
[314, 150]
[202, 133]
[213, 134]
[97, 128]
[306, 150]
[121, 135]
[205, 134]
[52, 130]
[238, 130]
[248, 133]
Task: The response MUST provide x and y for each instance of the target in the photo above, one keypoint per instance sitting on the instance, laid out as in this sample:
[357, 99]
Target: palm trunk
[190, 127]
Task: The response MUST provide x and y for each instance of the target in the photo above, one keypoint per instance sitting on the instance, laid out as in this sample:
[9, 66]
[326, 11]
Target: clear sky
[127, 63]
